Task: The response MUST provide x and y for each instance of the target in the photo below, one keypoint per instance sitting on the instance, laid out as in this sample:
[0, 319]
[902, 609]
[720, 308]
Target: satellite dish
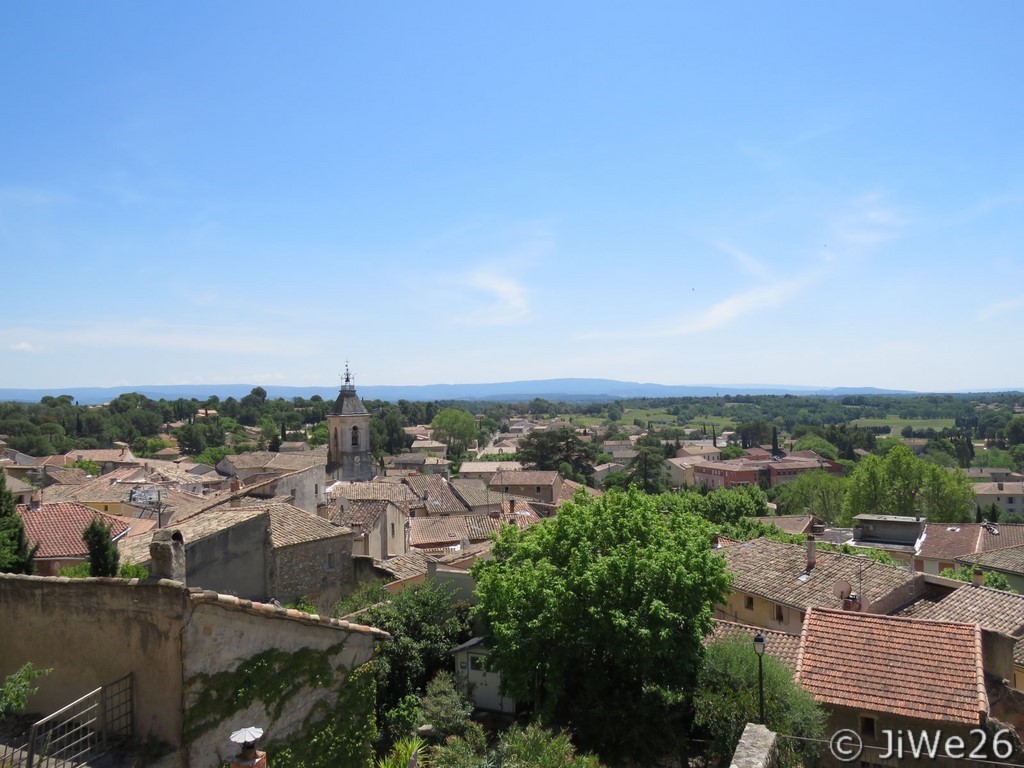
[842, 589]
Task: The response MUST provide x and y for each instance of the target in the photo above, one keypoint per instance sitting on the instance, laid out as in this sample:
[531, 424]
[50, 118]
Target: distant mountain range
[566, 390]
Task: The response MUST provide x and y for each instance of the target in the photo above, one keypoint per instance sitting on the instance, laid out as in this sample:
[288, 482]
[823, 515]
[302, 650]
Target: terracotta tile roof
[785, 648]
[101, 456]
[490, 467]
[444, 531]
[66, 475]
[945, 541]
[290, 525]
[777, 572]
[437, 496]
[362, 512]
[993, 609]
[396, 492]
[112, 488]
[58, 528]
[411, 564]
[523, 477]
[569, 488]
[907, 667]
[275, 462]
[788, 523]
[1009, 559]
[474, 493]
[196, 528]
[465, 556]
[994, 489]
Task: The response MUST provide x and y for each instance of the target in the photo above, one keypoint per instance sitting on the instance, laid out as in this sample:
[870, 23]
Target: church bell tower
[348, 424]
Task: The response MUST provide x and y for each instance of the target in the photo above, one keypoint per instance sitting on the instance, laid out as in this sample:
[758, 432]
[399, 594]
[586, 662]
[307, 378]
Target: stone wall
[757, 748]
[320, 570]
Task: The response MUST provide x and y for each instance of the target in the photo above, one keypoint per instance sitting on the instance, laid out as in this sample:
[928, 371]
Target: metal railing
[86, 728]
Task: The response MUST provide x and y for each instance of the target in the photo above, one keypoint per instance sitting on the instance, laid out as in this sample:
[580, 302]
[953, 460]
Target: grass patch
[896, 424]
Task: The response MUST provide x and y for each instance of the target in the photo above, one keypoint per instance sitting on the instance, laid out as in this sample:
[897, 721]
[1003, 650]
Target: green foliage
[403, 752]
[443, 707]
[648, 472]
[103, 554]
[902, 484]
[336, 733]
[550, 449]
[520, 746]
[273, 677]
[303, 604]
[425, 624]
[455, 428]
[89, 467]
[726, 700]
[16, 556]
[401, 720]
[993, 579]
[819, 445]
[597, 616]
[366, 594]
[16, 689]
[818, 493]
[732, 452]
[124, 571]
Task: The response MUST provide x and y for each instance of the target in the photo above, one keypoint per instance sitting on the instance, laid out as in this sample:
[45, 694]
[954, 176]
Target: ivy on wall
[337, 731]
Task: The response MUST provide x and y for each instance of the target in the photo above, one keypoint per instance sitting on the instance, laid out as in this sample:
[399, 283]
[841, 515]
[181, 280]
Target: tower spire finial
[348, 375]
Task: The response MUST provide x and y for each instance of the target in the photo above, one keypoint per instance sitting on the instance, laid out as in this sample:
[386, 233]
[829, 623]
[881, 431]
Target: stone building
[348, 428]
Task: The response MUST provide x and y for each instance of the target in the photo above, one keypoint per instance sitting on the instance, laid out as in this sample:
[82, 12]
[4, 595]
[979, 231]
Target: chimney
[978, 577]
[810, 552]
[512, 506]
[431, 569]
[999, 486]
[34, 502]
[235, 501]
[236, 485]
[167, 553]
[321, 510]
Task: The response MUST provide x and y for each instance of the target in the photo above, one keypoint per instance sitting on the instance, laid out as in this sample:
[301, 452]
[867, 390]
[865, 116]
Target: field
[659, 416]
[896, 424]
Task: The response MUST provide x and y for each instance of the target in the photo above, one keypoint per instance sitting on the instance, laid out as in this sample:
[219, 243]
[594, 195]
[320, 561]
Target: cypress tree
[103, 554]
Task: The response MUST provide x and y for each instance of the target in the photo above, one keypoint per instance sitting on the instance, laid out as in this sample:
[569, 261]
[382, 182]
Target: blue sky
[827, 194]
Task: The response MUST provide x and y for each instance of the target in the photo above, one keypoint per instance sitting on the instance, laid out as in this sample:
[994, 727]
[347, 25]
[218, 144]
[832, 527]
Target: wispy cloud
[999, 308]
[868, 222]
[21, 346]
[505, 301]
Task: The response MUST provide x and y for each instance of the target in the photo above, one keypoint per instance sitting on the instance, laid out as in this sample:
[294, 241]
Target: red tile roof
[909, 667]
[58, 528]
[785, 648]
[948, 541]
[427, 532]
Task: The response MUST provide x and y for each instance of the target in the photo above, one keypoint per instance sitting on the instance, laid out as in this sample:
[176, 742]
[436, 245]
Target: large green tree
[597, 617]
[454, 428]
[817, 493]
[16, 556]
[549, 450]
[902, 484]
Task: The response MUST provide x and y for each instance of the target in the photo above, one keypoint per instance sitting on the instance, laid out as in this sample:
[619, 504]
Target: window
[538, 489]
[779, 616]
[867, 726]
[355, 437]
[748, 603]
[392, 530]
[330, 561]
[476, 663]
[316, 489]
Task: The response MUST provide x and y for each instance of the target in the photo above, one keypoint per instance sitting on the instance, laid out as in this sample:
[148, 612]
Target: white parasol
[246, 735]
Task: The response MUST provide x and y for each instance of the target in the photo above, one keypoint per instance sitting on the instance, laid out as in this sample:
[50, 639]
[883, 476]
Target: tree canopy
[597, 616]
[902, 484]
[455, 428]
[103, 554]
[549, 450]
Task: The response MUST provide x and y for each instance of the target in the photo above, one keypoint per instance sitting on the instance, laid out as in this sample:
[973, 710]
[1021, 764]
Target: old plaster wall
[221, 638]
[232, 561]
[92, 632]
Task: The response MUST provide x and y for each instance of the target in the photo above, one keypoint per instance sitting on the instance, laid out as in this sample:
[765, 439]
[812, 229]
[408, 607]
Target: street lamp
[759, 650]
